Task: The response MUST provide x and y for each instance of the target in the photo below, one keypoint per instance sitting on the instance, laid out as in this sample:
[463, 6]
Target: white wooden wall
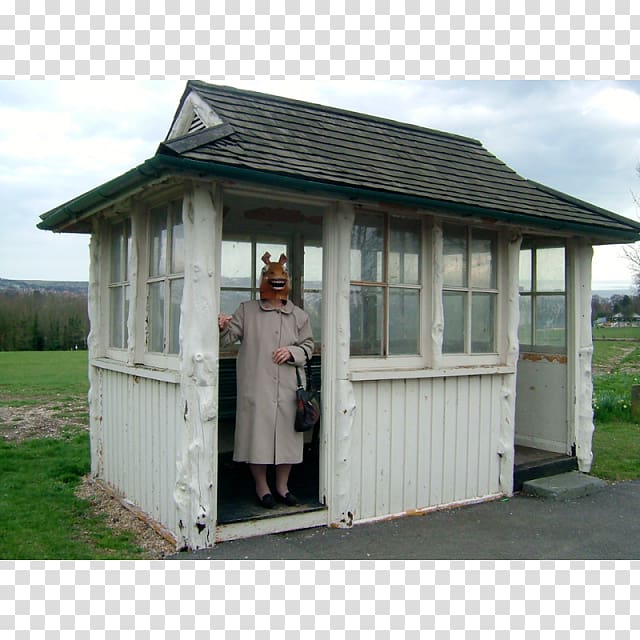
[425, 442]
[141, 434]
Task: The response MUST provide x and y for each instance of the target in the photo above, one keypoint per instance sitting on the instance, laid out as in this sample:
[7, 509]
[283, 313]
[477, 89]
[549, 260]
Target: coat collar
[285, 308]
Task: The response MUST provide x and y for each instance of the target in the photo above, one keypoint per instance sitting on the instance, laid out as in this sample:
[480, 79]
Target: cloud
[59, 139]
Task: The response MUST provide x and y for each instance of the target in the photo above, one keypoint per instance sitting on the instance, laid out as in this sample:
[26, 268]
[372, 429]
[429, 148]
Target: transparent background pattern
[319, 38]
[353, 599]
[228, 40]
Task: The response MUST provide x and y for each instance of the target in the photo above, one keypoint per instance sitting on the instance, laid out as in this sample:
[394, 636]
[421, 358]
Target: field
[46, 508]
[53, 512]
[616, 367]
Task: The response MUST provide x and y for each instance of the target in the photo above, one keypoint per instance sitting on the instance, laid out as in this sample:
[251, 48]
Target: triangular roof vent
[194, 116]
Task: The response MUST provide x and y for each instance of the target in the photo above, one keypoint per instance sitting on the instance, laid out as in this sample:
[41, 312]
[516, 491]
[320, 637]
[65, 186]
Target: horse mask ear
[274, 284]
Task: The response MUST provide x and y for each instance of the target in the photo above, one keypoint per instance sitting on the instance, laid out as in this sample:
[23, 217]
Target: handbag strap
[298, 378]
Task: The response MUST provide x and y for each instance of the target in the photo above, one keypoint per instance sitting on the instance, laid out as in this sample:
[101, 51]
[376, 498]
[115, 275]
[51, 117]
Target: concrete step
[564, 486]
[541, 468]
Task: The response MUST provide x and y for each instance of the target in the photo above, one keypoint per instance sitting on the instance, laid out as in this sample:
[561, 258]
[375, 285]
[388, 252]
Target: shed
[450, 300]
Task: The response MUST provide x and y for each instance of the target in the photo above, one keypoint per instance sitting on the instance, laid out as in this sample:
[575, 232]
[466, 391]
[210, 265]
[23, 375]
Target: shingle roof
[327, 145]
[279, 141]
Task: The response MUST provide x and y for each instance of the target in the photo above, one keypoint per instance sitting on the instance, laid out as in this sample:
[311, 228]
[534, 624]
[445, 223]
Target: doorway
[250, 229]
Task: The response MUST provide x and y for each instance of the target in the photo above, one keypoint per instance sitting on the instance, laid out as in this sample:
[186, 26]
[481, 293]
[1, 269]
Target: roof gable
[227, 132]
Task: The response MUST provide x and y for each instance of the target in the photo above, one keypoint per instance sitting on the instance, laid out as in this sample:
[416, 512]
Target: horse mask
[274, 284]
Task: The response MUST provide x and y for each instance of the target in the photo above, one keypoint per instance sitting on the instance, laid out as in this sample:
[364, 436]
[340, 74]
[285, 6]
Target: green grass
[27, 376]
[616, 441]
[616, 451]
[40, 515]
[616, 332]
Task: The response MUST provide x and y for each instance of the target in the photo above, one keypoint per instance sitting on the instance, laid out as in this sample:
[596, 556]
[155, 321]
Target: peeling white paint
[337, 390]
[196, 479]
[581, 255]
[510, 347]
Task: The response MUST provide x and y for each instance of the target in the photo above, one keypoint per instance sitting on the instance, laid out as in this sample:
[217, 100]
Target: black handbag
[307, 402]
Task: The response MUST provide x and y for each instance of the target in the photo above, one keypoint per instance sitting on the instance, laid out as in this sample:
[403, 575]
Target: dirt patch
[119, 518]
[46, 420]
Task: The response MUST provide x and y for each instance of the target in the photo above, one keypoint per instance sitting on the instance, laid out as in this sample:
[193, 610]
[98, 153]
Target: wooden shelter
[449, 296]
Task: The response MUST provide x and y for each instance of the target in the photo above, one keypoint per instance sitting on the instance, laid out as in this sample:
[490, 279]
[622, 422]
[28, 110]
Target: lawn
[41, 516]
[616, 367]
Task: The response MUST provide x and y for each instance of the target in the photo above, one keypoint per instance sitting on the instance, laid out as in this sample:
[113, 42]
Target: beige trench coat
[266, 404]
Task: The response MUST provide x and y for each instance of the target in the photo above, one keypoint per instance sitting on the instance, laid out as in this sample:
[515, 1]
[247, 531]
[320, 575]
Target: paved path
[604, 525]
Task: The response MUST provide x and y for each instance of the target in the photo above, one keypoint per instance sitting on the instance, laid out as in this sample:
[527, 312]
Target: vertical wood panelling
[141, 433]
[436, 451]
[426, 442]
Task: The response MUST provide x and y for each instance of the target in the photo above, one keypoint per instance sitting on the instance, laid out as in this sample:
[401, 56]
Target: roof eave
[72, 212]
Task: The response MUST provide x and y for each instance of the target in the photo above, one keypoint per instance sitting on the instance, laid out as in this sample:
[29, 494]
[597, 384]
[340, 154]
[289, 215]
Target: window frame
[121, 226]
[534, 244]
[174, 210]
[421, 359]
[469, 357]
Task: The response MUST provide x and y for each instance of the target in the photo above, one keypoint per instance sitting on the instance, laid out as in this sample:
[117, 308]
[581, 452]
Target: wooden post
[635, 402]
[95, 345]
[196, 481]
[506, 439]
[580, 350]
[337, 391]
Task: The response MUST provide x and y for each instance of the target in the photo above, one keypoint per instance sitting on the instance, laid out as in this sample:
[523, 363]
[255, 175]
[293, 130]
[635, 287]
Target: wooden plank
[437, 450]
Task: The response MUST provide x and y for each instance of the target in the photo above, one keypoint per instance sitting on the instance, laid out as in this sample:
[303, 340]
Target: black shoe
[267, 501]
[288, 498]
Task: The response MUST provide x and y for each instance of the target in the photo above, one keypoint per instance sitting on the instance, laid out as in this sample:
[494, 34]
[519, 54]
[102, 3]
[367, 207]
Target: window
[312, 289]
[242, 269]
[470, 294]
[542, 296]
[119, 285]
[166, 278]
[385, 297]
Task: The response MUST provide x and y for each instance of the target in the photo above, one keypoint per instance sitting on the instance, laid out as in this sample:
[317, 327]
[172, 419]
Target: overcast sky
[59, 139]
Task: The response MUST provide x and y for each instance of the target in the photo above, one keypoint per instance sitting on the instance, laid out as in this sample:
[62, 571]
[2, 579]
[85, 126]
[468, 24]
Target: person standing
[275, 337]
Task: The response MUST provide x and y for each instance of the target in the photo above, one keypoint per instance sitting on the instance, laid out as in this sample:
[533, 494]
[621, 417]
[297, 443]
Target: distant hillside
[52, 286]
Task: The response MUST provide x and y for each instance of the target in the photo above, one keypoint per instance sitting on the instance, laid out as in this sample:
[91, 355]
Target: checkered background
[278, 599]
[415, 39]
[233, 39]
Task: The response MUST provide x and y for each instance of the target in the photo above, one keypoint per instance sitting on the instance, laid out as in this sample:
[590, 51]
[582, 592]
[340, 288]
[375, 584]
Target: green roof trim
[162, 165]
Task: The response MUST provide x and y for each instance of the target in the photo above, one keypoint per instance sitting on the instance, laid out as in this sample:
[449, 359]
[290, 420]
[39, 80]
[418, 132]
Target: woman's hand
[281, 355]
[223, 321]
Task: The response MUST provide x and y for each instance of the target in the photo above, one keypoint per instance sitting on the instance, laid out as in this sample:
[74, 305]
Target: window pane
[177, 238]
[404, 251]
[313, 306]
[158, 242]
[119, 251]
[454, 320]
[116, 307]
[524, 328]
[174, 315]
[275, 249]
[525, 270]
[404, 321]
[550, 321]
[483, 259]
[156, 317]
[230, 300]
[366, 305]
[367, 248]
[236, 265]
[454, 261]
[483, 322]
[312, 267]
[550, 269]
